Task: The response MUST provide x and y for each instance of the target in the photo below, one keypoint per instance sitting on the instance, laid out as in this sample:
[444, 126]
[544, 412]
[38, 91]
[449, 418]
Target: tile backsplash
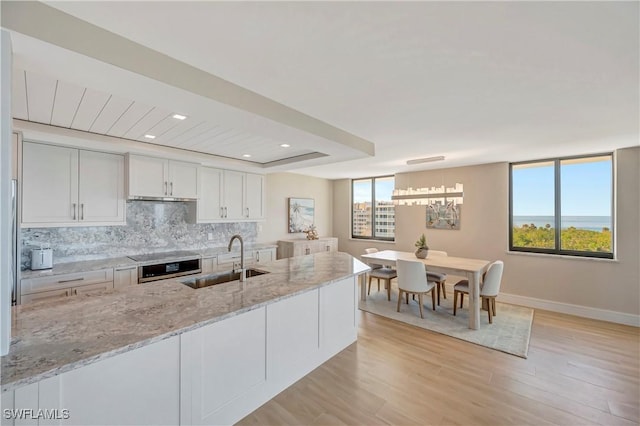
[152, 226]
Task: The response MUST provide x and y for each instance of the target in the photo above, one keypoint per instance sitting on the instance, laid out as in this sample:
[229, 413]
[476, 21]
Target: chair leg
[378, 283]
[420, 303]
[444, 290]
[493, 307]
[438, 288]
[407, 297]
[461, 299]
[399, 299]
[489, 308]
[369, 291]
[455, 301]
[433, 299]
[388, 290]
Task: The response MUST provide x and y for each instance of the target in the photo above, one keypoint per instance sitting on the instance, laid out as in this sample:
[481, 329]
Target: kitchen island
[178, 354]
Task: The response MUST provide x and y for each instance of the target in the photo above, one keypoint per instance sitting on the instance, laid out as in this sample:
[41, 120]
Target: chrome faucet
[243, 275]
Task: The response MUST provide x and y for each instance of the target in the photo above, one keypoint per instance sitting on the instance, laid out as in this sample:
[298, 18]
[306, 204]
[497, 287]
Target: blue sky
[585, 189]
[384, 190]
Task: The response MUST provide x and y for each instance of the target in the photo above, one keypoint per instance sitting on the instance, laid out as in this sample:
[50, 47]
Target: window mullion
[557, 207]
[373, 208]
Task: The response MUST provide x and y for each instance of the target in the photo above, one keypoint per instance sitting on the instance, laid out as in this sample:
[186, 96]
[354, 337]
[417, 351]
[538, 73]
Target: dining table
[472, 269]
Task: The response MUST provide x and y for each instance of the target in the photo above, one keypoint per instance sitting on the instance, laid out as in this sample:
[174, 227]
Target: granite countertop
[80, 266]
[118, 262]
[50, 338]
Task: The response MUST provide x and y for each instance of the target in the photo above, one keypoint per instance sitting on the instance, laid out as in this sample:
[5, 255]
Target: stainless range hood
[147, 198]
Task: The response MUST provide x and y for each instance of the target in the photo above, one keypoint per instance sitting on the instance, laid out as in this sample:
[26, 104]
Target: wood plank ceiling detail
[43, 99]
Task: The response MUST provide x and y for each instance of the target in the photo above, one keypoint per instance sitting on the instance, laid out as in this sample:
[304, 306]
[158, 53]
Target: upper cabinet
[66, 186]
[227, 195]
[150, 177]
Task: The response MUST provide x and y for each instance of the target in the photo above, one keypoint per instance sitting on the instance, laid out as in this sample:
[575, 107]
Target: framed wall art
[301, 214]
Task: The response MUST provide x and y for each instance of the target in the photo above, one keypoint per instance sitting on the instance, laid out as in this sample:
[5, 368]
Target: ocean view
[593, 223]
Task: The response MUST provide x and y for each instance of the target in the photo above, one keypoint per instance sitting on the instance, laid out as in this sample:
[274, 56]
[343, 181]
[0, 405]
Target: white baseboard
[567, 308]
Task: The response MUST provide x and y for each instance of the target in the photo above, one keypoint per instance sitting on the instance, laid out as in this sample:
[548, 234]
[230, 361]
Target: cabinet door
[183, 179]
[223, 369]
[45, 295]
[125, 277]
[254, 196]
[233, 195]
[49, 184]
[147, 176]
[92, 288]
[210, 195]
[208, 265]
[265, 255]
[101, 187]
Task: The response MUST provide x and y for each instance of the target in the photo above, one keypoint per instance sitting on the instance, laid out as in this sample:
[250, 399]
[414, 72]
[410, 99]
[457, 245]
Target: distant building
[385, 219]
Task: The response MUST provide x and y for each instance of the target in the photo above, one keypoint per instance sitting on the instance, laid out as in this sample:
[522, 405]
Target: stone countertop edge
[68, 366]
[122, 261]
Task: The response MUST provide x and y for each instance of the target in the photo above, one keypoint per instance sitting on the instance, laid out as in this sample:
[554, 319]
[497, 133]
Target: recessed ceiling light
[179, 116]
[425, 160]
[149, 136]
[246, 155]
[285, 145]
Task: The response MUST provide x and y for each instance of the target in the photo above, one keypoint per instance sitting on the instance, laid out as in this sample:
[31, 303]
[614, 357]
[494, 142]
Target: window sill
[366, 240]
[561, 256]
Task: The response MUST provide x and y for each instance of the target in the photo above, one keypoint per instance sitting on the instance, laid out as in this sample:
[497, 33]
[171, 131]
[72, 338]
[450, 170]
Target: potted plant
[423, 248]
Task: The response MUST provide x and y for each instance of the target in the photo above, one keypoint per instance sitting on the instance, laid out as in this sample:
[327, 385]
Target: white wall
[607, 289]
[281, 186]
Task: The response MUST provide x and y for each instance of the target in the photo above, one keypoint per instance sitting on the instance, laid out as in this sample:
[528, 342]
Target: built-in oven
[160, 266]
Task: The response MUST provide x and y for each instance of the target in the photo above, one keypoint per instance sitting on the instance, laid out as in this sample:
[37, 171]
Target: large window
[373, 212]
[563, 206]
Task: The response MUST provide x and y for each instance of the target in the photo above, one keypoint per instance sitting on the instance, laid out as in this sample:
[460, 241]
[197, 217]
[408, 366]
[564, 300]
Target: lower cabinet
[216, 374]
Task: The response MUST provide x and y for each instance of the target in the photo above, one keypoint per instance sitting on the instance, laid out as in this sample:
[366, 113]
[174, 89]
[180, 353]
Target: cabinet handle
[75, 291]
[221, 211]
[165, 188]
[307, 251]
[257, 256]
[171, 190]
[82, 211]
[225, 212]
[247, 211]
[74, 210]
[328, 248]
[71, 280]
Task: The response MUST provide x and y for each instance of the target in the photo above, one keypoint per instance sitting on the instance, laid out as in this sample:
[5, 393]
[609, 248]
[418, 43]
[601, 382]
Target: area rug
[510, 331]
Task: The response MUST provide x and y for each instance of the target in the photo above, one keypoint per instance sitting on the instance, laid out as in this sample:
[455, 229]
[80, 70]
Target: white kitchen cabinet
[230, 196]
[233, 195]
[159, 177]
[101, 187]
[65, 186]
[210, 195]
[208, 264]
[222, 365]
[125, 276]
[254, 196]
[59, 286]
[139, 387]
[265, 255]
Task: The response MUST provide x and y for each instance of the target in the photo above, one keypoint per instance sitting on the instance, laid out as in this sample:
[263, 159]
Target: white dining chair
[380, 272]
[489, 290]
[439, 278]
[413, 280]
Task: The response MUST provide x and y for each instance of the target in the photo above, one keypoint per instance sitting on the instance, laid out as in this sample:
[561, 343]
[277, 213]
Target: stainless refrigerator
[15, 255]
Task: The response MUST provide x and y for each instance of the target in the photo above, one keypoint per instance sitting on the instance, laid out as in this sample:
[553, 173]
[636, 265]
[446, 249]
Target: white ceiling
[476, 82]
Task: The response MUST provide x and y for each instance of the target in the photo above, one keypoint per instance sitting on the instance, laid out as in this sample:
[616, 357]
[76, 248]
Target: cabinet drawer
[35, 285]
[124, 277]
[91, 288]
[45, 295]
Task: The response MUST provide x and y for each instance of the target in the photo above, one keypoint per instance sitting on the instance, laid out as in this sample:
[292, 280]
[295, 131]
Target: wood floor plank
[579, 371]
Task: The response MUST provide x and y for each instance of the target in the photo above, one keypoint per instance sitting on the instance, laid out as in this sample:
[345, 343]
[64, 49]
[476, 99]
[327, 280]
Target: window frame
[558, 209]
[373, 214]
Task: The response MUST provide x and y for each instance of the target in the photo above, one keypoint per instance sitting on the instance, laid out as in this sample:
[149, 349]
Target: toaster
[41, 258]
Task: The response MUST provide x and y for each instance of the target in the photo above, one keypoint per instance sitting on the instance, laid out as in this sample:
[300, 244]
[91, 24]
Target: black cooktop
[163, 256]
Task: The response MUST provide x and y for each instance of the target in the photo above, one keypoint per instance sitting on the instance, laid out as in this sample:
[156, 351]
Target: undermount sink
[220, 278]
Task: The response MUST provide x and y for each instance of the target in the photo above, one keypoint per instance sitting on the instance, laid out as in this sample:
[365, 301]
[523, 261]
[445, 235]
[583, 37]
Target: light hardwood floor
[579, 371]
